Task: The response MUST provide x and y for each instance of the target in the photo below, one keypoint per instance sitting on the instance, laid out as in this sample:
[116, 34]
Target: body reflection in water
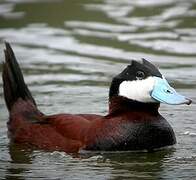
[20, 159]
[131, 164]
[135, 165]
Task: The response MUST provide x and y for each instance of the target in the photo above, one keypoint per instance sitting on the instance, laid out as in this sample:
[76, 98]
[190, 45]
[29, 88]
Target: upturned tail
[13, 82]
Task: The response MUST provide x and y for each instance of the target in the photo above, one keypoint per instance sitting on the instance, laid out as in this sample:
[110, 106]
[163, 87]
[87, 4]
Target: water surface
[70, 50]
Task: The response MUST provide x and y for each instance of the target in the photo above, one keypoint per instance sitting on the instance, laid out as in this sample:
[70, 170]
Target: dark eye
[140, 75]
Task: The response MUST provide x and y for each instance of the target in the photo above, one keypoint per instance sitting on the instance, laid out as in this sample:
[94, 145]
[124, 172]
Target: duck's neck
[119, 104]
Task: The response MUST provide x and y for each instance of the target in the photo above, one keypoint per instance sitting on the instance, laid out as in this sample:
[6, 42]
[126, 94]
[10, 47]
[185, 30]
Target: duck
[133, 121]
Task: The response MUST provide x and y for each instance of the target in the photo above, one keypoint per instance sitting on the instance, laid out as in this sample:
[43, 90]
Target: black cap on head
[134, 71]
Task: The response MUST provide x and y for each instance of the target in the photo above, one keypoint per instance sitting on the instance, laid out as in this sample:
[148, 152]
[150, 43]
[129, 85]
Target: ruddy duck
[133, 121]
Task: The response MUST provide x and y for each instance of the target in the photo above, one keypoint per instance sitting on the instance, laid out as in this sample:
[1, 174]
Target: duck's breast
[121, 135]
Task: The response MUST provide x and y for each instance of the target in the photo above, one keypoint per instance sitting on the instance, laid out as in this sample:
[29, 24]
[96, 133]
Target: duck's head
[143, 82]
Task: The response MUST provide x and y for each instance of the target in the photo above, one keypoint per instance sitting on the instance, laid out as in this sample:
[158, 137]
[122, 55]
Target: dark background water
[70, 50]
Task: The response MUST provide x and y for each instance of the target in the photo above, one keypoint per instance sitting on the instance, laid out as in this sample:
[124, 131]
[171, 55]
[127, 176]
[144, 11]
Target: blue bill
[164, 93]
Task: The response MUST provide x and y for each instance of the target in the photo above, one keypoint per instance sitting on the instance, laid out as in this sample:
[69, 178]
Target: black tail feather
[13, 82]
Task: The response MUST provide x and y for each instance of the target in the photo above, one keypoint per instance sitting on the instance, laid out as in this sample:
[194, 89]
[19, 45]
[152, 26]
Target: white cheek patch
[138, 90]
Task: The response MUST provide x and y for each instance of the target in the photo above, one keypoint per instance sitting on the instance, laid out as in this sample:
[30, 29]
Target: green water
[70, 50]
